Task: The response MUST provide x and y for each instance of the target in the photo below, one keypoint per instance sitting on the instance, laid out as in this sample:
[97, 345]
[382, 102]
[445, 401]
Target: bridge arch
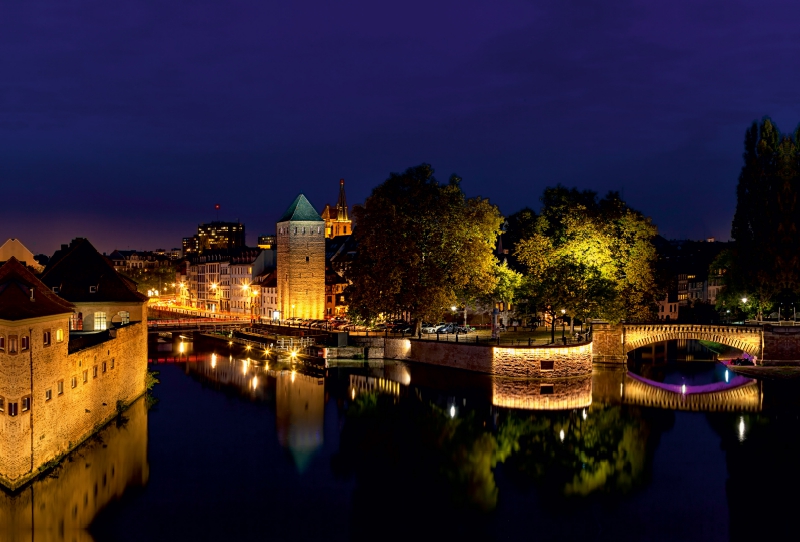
[746, 339]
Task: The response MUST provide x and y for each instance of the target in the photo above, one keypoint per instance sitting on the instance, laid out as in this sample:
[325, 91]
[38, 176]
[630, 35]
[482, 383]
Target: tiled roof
[17, 284]
[301, 211]
[84, 275]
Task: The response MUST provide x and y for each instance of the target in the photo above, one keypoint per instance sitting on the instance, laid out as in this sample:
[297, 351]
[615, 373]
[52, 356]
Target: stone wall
[301, 269]
[556, 394]
[781, 344]
[103, 374]
[520, 362]
[607, 343]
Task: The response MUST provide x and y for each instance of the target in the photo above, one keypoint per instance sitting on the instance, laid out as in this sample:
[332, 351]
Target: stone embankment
[515, 362]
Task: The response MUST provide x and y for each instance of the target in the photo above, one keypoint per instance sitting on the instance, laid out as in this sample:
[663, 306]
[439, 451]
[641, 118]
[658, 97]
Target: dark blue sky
[126, 121]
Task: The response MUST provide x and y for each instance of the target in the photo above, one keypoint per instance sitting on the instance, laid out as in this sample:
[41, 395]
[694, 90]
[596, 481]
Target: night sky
[125, 122]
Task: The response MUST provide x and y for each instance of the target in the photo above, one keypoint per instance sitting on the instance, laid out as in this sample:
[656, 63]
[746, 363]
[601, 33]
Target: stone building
[301, 261]
[59, 387]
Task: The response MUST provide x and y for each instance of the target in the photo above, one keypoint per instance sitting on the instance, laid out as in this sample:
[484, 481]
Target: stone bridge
[613, 342]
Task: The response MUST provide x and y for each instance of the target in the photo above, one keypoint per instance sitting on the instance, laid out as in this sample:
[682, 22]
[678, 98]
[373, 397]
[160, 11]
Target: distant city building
[215, 236]
[301, 261]
[126, 260]
[214, 280]
[668, 307]
[268, 242]
[337, 219]
[14, 249]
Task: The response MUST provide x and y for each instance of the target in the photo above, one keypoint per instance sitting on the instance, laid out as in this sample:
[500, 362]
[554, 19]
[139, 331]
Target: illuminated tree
[421, 246]
[591, 258]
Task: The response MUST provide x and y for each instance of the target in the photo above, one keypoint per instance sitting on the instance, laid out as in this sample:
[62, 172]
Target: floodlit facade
[301, 261]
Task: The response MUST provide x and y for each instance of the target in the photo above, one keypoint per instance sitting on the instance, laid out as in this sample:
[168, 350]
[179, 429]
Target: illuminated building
[301, 261]
[215, 236]
[337, 219]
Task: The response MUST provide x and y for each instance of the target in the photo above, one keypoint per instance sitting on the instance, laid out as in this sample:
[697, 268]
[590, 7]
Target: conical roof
[300, 211]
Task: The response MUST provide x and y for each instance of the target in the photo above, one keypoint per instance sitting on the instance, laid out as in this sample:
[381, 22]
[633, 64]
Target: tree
[590, 257]
[519, 226]
[765, 260]
[421, 246]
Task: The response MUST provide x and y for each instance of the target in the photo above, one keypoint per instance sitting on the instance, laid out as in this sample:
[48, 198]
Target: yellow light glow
[181, 348]
[213, 360]
[353, 394]
[294, 353]
[230, 343]
[249, 347]
[255, 382]
[294, 373]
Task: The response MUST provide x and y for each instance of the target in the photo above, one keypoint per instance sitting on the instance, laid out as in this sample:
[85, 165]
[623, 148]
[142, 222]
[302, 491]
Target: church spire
[341, 205]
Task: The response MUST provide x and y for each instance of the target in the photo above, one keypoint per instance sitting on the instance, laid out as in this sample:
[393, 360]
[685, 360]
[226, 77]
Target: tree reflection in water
[604, 448]
[418, 456]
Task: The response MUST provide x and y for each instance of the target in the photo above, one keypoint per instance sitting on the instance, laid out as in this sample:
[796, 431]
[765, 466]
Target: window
[85, 376]
[306, 259]
[24, 343]
[2, 404]
[59, 335]
[112, 363]
[125, 317]
[94, 371]
[12, 409]
[92, 289]
[74, 381]
[46, 338]
[99, 321]
[55, 289]
[26, 403]
[76, 322]
[104, 366]
[48, 394]
[547, 365]
[546, 389]
[2, 344]
[60, 387]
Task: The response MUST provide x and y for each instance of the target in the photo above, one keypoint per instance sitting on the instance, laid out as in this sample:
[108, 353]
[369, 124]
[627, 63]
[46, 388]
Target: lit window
[12, 409]
[100, 321]
[104, 366]
[48, 394]
[26, 404]
[2, 404]
[94, 371]
[85, 376]
[46, 338]
[59, 335]
[125, 317]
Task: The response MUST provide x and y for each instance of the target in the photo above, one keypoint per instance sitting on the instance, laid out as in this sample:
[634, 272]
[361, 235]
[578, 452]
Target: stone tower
[301, 261]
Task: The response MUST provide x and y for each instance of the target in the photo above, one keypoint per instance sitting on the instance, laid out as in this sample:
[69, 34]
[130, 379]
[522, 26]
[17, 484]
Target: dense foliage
[764, 265]
[593, 258]
[422, 247]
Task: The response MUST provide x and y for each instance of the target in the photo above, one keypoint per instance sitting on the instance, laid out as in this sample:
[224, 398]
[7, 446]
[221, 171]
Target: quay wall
[516, 362]
[781, 345]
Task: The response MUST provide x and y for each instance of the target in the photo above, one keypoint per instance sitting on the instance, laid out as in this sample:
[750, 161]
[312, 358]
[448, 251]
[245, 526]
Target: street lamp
[563, 325]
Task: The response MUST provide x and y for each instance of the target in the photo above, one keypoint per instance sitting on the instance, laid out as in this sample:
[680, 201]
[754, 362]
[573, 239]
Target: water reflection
[61, 505]
[299, 407]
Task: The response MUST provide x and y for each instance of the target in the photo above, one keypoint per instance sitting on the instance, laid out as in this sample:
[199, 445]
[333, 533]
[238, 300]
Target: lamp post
[563, 325]
[744, 302]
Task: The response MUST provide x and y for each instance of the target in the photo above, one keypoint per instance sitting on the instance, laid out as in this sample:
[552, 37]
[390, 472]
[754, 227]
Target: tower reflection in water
[300, 409]
[62, 504]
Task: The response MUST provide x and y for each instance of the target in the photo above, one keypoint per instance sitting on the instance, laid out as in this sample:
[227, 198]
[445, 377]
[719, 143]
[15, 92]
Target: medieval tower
[301, 261]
